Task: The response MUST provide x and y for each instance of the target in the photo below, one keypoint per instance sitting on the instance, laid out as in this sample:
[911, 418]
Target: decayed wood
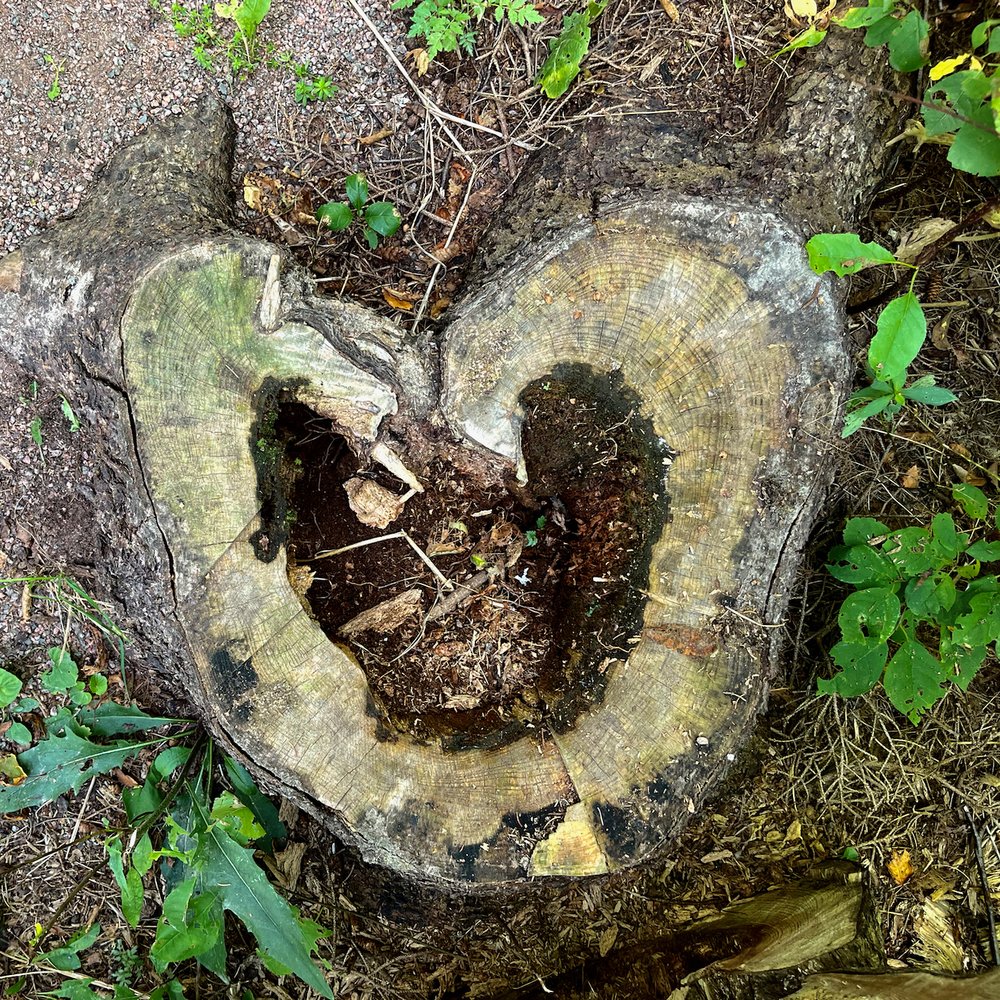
[631, 253]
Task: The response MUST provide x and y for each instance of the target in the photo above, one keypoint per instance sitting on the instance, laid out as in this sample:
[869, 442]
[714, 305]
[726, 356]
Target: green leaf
[930, 395]
[62, 763]
[67, 957]
[567, 51]
[97, 684]
[869, 616]
[982, 31]
[861, 565]
[357, 190]
[861, 666]
[954, 98]
[236, 818]
[336, 214]
[71, 418]
[140, 802]
[981, 625]
[75, 989]
[965, 661]
[864, 17]
[908, 43]
[901, 330]
[811, 37]
[946, 539]
[860, 530]
[928, 596]
[132, 898]
[972, 500]
[383, 218]
[18, 733]
[984, 551]
[844, 253]
[371, 236]
[262, 807]
[35, 428]
[246, 893]
[168, 761]
[913, 680]
[188, 925]
[63, 673]
[910, 550]
[10, 687]
[112, 719]
[854, 420]
[976, 147]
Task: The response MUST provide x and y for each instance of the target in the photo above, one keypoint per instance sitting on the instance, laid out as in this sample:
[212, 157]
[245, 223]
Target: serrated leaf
[908, 43]
[62, 763]
[236, 818]
[861, 665]
[10, 687]
[335, 214]
[972, 500]
[383, 218]
[861, 565]
[245, 892]
[901, 330]
[112, 719]
[844, 253]
[913, 680]
[869, 616]
[189, 925]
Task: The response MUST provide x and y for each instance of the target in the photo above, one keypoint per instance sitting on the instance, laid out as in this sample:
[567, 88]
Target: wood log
[639, 263]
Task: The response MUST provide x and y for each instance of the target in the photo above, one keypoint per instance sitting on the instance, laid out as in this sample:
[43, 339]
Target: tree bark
[671, 266]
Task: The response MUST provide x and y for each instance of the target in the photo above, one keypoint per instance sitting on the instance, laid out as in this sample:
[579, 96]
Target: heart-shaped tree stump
[667, 310]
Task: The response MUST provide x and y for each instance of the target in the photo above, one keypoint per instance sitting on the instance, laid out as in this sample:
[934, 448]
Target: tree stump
[662, 281]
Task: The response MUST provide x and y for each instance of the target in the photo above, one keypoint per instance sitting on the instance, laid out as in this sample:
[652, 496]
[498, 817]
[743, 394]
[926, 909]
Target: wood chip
[373, 505]
[386, 616]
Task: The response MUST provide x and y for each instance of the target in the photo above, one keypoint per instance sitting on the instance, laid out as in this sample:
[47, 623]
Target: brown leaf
[911, 478]
[398, 300]
[900, 866]
[939, 335]
[965, 476]
[439, 307]
[610, 934]
[960, 449]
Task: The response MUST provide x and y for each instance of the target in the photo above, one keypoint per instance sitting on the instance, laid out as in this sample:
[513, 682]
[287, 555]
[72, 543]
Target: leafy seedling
[55, 90]
[568, 49]
[378, 219]
[71, 417]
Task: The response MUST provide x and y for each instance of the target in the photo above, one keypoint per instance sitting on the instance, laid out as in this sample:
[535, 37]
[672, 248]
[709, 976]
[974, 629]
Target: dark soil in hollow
[541, 587]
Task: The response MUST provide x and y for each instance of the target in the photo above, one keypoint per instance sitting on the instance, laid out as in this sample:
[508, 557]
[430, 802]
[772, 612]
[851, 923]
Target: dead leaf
[939, 335]
[670, 9]
[11, 772]
[251, 197]
[439, 307]
[964, 476]
[911, 478]
[807, 9]
[5, 462]
[920, 237]
[421, 60]
[610, 934]
[460, 702]
[26, 603]
[716, 856]
[960, 449]
[900, 866]
[794, 831]
[398, 300]
[372, 504]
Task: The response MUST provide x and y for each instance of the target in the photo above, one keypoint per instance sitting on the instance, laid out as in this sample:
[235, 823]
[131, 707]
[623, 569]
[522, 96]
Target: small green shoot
[568, 49]
[378, 219]
[921, 616]
[35, 429]
[901, 329]
[71, 417]
[55, 90]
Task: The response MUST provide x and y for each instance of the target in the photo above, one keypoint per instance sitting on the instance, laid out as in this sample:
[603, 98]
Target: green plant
[568, 50]
[71, 417]
[378, 219]
[960, 108]
[449, 25]
[55, 90]
[35, 429]
[901, 329]
[918, 595]
[200, 24]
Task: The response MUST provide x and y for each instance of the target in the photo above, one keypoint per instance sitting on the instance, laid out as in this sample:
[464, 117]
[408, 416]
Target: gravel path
[124, 66]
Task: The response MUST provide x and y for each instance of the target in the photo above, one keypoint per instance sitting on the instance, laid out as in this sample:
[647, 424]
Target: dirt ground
[823, 776]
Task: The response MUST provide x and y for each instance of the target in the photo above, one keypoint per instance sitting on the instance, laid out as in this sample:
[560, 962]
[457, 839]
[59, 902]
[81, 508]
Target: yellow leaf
[251, 195]
[396, 300]
[900, 866]
[804, 8]
[946, 66]
[10, 770]
[607, 940]
[670, 9]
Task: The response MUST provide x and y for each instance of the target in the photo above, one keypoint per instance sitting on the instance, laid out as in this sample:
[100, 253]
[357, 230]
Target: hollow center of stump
[535, 591]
